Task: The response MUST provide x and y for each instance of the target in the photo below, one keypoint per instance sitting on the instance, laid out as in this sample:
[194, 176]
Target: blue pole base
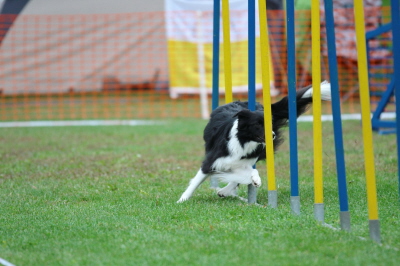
[345, 220]
[295, 204]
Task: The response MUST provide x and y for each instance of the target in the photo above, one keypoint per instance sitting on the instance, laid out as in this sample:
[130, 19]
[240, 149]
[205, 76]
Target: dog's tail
[280, 109]
[325, 91]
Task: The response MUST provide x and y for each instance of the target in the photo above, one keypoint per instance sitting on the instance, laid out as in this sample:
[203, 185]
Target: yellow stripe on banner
[365, 110]
[184, 74]
[316, 84]
[227, 51]
[265, 59]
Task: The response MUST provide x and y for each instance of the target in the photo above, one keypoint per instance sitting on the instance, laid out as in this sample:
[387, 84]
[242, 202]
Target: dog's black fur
[235, 140]
[251, 127]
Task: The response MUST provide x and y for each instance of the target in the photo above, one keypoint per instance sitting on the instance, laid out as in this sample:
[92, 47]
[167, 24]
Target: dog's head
[251, 126]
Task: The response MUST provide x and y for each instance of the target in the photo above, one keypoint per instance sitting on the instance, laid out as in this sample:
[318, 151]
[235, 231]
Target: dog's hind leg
[194, 183]
[228, 190]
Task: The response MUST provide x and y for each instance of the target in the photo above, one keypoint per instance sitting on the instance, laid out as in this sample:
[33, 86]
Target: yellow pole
[265, 67]
[374, 227]
[316, 84]
[227, 51]
[365, 109]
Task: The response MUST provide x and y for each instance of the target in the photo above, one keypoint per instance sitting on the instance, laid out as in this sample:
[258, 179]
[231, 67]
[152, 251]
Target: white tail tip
[325, 91]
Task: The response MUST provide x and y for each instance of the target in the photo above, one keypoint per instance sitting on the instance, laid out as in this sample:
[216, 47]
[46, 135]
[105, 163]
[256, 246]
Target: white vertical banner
[190, 36]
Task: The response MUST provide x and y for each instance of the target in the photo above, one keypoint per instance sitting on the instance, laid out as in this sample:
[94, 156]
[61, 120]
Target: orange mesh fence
[120, 66]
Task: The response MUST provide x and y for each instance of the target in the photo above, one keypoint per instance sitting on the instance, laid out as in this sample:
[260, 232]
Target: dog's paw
[229, 190]
[182, 199]
[224, 194]
[255, 178]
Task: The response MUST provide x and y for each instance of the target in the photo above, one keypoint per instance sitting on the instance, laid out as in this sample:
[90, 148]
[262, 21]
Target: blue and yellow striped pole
[317, 125]
[265, 68]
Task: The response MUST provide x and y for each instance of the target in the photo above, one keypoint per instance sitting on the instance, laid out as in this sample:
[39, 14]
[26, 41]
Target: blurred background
[120, 59]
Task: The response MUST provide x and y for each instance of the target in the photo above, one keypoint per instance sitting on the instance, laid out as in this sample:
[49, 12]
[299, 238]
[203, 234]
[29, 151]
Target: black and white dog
[235, 140]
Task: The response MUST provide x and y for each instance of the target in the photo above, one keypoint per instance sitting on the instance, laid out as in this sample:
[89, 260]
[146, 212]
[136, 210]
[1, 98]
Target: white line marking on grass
[62, 123]
[330, 226]
[309, 118]
[80, 123]
[246, 200]
[6, 263]
[379, 244]
[361, 237]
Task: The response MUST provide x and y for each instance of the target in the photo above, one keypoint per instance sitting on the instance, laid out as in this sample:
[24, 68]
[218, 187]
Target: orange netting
[116, 66]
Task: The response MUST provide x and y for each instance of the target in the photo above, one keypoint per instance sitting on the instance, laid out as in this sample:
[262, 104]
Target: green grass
[106, 196]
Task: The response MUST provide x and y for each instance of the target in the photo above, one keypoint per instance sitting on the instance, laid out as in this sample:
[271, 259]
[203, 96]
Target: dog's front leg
[255, 178]
[194, 183]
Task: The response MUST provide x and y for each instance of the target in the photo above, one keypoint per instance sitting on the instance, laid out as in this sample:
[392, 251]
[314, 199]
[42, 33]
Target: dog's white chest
[237, 153]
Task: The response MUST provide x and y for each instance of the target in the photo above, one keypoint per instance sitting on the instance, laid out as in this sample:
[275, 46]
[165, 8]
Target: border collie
[235, 140]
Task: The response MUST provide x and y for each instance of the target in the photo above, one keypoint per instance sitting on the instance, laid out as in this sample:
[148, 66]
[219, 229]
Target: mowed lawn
[107, 196]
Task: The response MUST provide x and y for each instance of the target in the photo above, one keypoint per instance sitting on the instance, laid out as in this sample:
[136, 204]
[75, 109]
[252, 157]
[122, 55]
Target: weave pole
[395, 14]
[227, 51]
[319, 213]
[265, 59]
[215, 59]
[291, 65]
[374, 226]
[337, 120]
[215, 67]
[252, 55]
[252, 190]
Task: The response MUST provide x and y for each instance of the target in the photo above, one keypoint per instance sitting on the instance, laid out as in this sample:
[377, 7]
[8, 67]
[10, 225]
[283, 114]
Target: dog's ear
[243, 114]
